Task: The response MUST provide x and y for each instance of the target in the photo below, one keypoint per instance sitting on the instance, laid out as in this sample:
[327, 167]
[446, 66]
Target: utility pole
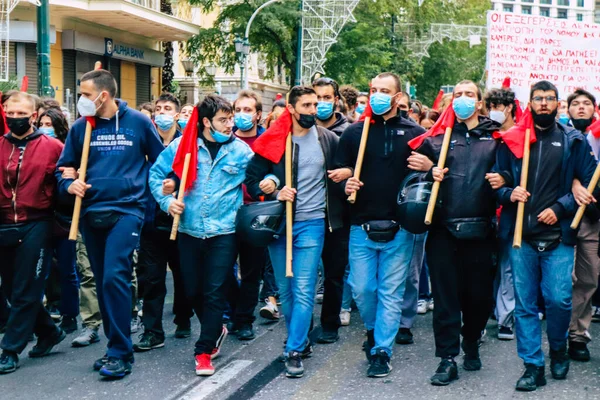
[298, 80]
[45, 89]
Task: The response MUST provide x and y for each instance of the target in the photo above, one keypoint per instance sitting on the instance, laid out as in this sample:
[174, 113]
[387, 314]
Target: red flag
[278, 96]
[506, 83]
[594, 128]
[271, 144]
[446, 120]
[515, 136]
[519, 114]
[25, 84]
[438, 100]
[3, 127]
[92, 121]
[188, 144]
[367, 113]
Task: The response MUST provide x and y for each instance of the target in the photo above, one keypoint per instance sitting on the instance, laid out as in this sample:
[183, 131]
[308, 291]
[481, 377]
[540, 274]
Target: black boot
[559, 363]
[471, 362]
[369, 344]
[446, 372]
[578, 351]
[531, 379]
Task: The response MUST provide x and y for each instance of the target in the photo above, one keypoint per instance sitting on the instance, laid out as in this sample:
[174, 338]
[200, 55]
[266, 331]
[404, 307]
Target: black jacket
[259, 167]
[384, 166]
[340, 124]
[465, 193]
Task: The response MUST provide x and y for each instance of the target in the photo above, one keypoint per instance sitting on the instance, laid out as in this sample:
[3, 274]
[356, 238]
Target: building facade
[576, 10]
[125, 35]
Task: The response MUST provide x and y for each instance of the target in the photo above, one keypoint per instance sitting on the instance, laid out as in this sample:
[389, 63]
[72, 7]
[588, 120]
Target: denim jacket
[212, 203]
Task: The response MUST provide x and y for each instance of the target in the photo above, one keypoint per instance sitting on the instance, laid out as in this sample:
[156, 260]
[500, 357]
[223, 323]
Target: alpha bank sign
[123, 50]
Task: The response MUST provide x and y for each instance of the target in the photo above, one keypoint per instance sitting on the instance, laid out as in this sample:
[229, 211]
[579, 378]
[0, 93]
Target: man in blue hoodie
[123, 142]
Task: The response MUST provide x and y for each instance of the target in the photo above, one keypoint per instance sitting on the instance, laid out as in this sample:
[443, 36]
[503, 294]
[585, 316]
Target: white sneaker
[422, 307]
[86, 337]
[269, 311]
[345, 317]
[430, 305]
[135, 324]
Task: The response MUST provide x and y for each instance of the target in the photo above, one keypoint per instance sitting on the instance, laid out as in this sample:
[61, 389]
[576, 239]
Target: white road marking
[218, 380]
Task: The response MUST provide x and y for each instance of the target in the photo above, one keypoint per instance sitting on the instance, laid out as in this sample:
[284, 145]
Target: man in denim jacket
[207, 242]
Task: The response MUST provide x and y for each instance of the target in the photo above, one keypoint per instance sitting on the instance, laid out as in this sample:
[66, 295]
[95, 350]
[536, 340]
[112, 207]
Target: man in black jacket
[461, 243]
[544, 263]
[380, 252]
[328, 95]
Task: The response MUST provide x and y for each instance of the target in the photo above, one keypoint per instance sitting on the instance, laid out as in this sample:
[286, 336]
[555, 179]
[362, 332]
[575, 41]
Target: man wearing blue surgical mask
[156, 250]
[379, 258]
[248, 113]
[328, 96]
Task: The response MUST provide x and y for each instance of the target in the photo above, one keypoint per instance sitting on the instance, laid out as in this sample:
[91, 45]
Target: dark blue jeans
[64, 251]
[548, 272]
[111, 255]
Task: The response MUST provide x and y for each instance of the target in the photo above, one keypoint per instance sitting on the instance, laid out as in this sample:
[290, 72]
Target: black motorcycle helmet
[259, 223]
[413, 199]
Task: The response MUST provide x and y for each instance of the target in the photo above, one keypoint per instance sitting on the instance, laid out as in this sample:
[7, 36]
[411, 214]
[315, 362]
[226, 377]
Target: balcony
[140, 17]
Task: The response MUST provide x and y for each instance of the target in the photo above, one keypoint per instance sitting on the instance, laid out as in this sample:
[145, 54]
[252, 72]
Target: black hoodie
[465, 193]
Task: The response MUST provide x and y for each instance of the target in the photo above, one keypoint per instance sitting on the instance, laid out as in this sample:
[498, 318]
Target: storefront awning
[126, 16]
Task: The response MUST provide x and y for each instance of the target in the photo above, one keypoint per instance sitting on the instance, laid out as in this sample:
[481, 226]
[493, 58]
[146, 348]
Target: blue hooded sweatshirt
[121, 151]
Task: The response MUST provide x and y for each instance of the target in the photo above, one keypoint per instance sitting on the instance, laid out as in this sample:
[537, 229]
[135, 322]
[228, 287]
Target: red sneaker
[217, 350]
[204, 365]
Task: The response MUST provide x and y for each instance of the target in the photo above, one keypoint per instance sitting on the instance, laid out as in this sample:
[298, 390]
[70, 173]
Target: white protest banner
[529, 48]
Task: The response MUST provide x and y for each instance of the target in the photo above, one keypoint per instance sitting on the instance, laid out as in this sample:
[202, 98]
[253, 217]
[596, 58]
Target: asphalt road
[252, 370]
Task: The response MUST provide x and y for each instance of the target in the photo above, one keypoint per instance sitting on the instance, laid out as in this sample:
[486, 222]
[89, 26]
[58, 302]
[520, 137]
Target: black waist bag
[381, 231]
[469, 228]
[102, 219]
[544, 245]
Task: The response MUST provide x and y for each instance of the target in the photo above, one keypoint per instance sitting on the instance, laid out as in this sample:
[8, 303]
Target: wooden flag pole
[361, 155]
[435, 188]
[85, 153]
[517, 239]
[177, 217]
[289, 213]
[590, 189]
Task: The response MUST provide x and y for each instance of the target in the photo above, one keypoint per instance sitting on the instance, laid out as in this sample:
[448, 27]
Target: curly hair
[350, 94]
[497, 97]
[59, 122]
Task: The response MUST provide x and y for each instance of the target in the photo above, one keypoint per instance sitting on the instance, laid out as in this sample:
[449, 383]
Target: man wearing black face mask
[544, 262]
[582, 105]
[27, 190]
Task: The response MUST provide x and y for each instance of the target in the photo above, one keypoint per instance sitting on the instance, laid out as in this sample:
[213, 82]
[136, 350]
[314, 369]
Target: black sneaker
[369, 344]
[578, 351]
[505, 333]
[307, 352]
[293, 365]
[328, 337]
[183, 331]
[99, 363]
[245, 332]
[44, 345]
[380, 365]
[69, 324]
[54, 313]
[404, 336]
[471, 361]
[148, 341]
[115, 368]
[9, 362]
[531, 379]
[559, 363]
[446, 372]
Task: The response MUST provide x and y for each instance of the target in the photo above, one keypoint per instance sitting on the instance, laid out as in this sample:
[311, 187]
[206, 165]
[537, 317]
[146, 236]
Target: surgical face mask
[306, 121]
[464, 107]
[164, 121]
[544, 120]
[361, 108]
[581, 124]
[498, 116]
[182, 123]
[18, 126]
[404, 114]
[243, 121]
[219, 137]
[48, 131]
[380, 103]
[324, 110]
[87, 107]
[563, 119]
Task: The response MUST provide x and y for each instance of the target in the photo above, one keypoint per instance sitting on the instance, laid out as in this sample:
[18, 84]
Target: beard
[544, 120]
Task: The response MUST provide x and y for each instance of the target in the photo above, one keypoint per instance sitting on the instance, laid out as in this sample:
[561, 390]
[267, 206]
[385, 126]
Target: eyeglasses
[540, 99]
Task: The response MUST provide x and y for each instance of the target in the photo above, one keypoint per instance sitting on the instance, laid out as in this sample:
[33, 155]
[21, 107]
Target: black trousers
[4, 308]
[156, 251]
[24, 250]
[205, 266]
[335, 260]
[244, 298]
[462, 279]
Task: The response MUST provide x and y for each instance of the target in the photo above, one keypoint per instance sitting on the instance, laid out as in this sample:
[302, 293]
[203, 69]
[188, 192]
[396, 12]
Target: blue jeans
[347, 294]
[297, 294]
[378, 274]
[550, 272]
